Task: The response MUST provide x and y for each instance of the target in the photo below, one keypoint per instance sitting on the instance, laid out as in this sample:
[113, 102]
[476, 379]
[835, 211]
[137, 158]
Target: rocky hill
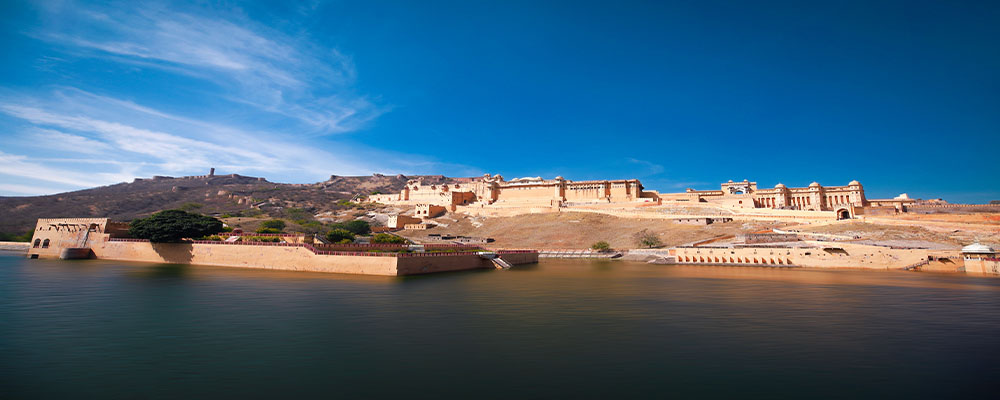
[210, 195]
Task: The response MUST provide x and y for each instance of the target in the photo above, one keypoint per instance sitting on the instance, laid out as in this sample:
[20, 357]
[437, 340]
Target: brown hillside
[570, 230]
[224, 194]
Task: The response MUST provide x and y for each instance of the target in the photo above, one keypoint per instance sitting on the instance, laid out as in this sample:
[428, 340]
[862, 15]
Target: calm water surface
[565, 329]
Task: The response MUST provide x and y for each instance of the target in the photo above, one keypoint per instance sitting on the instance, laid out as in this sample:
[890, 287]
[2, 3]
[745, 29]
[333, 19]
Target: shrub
[648, 239]
[268, 230]
[274, 224]
[260, 239]
[312, 226]
[359, 227]
[190, 206]
[12, 237]
[173, 225]
[339, 236]
[387, 238]
[296, 214]
[253, 212]
[601, 246]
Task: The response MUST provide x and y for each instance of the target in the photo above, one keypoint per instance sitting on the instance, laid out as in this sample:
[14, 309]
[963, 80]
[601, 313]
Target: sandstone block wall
[840, 256]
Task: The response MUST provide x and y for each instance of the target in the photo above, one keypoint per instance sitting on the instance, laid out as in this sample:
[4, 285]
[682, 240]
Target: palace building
[494, 189]
[845, 201]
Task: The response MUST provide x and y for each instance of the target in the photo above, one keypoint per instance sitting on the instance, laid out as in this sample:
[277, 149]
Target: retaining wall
[293, 257]
[840, 256]
[15, 246]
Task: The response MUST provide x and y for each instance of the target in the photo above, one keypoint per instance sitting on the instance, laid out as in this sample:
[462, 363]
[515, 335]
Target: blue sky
[902, 96]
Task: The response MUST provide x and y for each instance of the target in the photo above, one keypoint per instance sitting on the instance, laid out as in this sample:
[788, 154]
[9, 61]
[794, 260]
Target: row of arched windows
[39, 242]
[805, 201]
[735, 260]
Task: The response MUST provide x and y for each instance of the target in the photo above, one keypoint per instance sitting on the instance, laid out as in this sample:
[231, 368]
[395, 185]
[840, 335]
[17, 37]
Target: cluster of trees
[345, 236]
[13, 237]
[357, 227]
[173, 225]
[387, 238]
[345, 232]
[271, 226]
[340, 236]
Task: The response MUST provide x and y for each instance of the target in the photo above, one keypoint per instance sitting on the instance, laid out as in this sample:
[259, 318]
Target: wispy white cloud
[81, 140]
[53, 139]
[271, 100]
[150, 143]
[21, 166]
[650, 168]
[257, 65]
[28, 190]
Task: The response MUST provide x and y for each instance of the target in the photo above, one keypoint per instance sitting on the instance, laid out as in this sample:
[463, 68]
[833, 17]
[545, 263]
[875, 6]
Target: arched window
[38, 242]
[45, 244]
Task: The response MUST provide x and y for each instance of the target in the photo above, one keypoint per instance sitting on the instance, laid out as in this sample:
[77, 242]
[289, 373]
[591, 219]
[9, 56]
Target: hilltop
[211, 195]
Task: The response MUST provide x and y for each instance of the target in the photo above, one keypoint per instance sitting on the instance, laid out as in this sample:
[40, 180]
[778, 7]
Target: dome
[730, 181]
[977, 248]
[779, 186]
[854, 183]
[814, 184]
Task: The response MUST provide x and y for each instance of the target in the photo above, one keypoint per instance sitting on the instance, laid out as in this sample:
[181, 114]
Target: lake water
[559, 329]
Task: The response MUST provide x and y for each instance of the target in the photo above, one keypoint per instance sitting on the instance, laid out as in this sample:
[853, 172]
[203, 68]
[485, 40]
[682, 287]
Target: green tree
[312, 226]
[648, 239]
[190, 206]
[359, 227]
[268, 230]
[387, 238]
[339, 236]
[173, 225]
[274, 224]
[12, 237]
[601, 246]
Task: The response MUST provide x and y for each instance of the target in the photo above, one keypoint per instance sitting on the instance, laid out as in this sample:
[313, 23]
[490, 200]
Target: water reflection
[561, 328]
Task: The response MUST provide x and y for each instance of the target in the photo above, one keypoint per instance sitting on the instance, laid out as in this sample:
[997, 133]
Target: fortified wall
[99, 238]
[810, 254]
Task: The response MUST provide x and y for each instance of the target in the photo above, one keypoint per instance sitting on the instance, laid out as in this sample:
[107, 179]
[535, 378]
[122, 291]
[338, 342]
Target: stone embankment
[656, 256]
[15, 246]
[577, 253]
[652, 256]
